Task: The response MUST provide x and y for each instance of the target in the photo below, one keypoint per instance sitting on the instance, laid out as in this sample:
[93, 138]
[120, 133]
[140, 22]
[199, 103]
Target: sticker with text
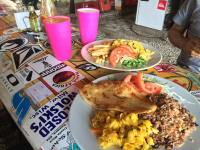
[38, 91]
[13, 44]
[11, 30]
[61, 139]
[196, 94]
[11, 82]
[27, 75]
[46, 65]
[63, 78]
[23, 55]
[50, 116]
[165, 67]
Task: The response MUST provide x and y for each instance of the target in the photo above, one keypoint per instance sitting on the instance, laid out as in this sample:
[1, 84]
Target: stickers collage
[54, 75]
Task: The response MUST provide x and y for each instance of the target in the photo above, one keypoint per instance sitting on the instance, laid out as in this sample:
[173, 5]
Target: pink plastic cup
[59, 35]
[88, 19]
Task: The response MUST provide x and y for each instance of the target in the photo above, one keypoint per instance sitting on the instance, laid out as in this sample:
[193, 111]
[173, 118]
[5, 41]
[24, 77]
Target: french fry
[97, 60]
[101, 46]
[100, 53]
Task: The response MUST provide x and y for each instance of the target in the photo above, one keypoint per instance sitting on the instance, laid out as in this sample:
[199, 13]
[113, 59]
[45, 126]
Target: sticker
[10, 31]
[27, 75]
[87, 67]
[8, 25]
[46, 65]
[11, 82]
[2, 54]
[5, 65]
[162, 4]
[3, 13]
[46, 44]
[21, 105]
[39, 91]
[25, 54]
[196, 94]
[194, 79]
[50, 116]
[61, 139]
[13, 44]
[165, 67]
[4, 37]
[63, 78]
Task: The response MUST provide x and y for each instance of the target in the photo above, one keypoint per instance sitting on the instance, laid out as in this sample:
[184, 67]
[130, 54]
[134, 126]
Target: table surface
[39, 94]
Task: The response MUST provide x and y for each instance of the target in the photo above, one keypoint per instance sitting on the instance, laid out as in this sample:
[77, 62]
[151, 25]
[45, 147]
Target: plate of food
[126, 111]
[120, 54]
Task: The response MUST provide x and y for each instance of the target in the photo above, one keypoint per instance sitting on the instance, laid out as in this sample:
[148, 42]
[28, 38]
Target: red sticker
[162, 4]
[165, 67]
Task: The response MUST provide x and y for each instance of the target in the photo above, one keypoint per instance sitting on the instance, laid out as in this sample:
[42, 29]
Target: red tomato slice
[154, 88]
[128, 78]
[149, 88]
[117, 54]
[128, 47]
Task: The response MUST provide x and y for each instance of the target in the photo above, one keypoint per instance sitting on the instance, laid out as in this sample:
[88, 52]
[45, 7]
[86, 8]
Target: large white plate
[81, 114]
[155, 58]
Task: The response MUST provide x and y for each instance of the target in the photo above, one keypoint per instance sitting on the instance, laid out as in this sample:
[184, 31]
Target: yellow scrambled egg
[123, 130]
[136, 46]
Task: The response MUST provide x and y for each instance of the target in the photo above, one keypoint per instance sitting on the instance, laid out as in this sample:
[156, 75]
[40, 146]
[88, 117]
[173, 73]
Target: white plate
[81, 114]
[155, 58]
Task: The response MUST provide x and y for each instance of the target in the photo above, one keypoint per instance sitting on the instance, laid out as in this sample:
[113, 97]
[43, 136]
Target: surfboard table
[35, 97]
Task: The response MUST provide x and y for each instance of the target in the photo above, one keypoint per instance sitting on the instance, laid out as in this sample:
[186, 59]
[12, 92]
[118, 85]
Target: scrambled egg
[136, 46]
[123, 130]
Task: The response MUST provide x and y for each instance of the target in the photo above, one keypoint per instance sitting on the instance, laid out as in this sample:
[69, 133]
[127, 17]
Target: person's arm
[190, 46]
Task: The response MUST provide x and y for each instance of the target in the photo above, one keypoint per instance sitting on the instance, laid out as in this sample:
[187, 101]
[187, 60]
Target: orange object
[104, 5]
[91, 4]
[97, 131]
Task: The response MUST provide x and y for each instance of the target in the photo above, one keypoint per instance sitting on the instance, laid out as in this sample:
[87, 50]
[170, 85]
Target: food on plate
[116, 95]
[173, 121]
[123, 130]
[138, 83]
[121, 52]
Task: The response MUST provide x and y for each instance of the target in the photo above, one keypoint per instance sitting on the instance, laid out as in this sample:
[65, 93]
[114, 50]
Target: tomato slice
[154, 88]
[118, 53]
[136, 87]
[127, 79]
[149, 88]
[128, 47]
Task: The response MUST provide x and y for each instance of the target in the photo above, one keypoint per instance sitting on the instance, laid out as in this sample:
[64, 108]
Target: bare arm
[189, 46]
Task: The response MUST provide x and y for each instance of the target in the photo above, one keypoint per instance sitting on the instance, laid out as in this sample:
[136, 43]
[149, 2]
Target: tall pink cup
[88, 19]
[59, 35]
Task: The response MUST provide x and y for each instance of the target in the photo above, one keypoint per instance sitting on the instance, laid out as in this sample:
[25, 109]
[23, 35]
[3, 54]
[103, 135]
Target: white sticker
[196, 94]
[13, 44]
[46, 65]
[10, 31]
[5, 65]
[4, 37]
[26, 54]
[63, 78]
[11, 82]
[39, 91]
[61, 139]
[27, 75]
[49, 117]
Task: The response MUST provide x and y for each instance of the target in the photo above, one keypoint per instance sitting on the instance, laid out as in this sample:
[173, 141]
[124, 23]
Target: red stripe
[86, 80]
[26, 65]
[48, 86]
[47, 52]
[178, 74]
